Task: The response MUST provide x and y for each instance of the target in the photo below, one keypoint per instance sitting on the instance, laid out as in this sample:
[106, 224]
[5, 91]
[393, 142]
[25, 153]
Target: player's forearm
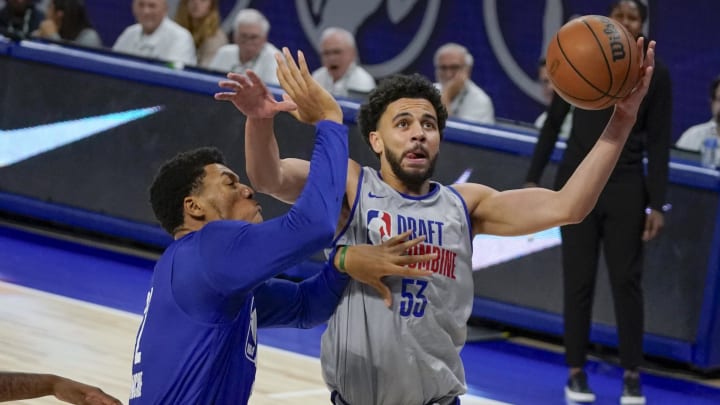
[581, 192]
[16, 386]
[262, 155]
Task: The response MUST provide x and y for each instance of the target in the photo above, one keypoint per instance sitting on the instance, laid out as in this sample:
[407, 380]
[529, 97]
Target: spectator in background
[251, 49]
[155, 35]
[628, 213]
[20, 18]
[693, 137]
[340, 73]
[548, 92]
[460, 95]
[202, 19]
[67, 20]
[17, 386]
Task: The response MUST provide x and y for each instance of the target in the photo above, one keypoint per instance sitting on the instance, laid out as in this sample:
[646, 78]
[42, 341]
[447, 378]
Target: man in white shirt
[340, 73]
[155, 35]
[250, 50]
[460, 95]
[693, 137]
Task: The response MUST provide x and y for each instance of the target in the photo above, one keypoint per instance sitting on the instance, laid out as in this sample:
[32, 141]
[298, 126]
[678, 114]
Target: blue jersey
[212, 288]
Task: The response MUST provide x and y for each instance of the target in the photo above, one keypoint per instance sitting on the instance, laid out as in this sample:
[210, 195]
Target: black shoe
[577, 388]
[632, 391]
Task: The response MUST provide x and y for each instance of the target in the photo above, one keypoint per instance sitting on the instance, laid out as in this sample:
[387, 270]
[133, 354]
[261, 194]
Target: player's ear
[193, 207]
[376, 142]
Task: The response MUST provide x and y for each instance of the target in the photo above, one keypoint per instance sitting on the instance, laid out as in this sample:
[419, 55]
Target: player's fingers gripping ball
[593, 62]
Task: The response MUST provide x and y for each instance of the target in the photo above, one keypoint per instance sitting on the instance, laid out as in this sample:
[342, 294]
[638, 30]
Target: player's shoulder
[473, 193]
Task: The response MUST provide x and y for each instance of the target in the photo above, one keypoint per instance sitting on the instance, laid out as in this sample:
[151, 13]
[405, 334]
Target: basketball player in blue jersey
[408, 354]
[212, 287]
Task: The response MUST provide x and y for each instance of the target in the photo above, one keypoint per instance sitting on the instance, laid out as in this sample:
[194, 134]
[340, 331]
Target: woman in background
[67, 20]
[202, 19]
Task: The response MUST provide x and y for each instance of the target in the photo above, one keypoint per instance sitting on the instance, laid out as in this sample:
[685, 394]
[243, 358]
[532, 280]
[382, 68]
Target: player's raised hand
[631, 103]
[250, 95]
[314, 103]
[368, 264]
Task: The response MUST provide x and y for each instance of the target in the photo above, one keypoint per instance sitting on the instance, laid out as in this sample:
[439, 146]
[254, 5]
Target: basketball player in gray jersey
[398, 343]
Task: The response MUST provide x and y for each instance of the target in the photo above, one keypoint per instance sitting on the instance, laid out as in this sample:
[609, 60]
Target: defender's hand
[368, 264]
[314, 103]
[250, 95]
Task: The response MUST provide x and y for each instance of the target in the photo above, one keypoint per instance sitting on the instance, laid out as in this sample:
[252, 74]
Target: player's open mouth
[416, 157]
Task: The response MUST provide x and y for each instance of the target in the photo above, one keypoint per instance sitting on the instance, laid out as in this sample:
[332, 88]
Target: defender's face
[222, 196]
[408, 139]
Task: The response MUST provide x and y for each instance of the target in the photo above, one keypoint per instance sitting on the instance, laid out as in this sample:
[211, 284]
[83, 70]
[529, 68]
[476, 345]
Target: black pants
[616, 224]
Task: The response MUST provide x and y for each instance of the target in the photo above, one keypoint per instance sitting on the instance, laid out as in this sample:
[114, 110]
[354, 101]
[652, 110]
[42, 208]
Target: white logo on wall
[350, 15]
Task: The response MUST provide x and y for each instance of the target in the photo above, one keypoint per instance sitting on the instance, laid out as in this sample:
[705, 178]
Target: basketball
[593, 62]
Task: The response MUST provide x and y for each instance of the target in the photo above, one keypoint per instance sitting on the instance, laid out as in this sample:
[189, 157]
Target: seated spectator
[202, 19]
[340, 73]
[251, 49]
[155, 35]
[694, 136]
[67, 20]
[460, 95]
[19, 18]
[548, 92]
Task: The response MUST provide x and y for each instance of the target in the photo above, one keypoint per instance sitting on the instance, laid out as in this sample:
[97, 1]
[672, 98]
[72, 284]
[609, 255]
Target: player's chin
[416, 165]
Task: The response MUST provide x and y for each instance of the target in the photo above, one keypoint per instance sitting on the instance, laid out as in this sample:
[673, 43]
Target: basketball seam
[602, 51]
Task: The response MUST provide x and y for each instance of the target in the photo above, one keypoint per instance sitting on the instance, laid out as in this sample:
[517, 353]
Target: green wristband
[343, 250]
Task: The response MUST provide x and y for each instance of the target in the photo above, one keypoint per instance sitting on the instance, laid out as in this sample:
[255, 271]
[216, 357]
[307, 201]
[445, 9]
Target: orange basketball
[593, 62]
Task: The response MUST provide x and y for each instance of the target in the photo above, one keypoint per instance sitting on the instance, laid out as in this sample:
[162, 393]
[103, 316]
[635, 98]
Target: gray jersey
[407, 354]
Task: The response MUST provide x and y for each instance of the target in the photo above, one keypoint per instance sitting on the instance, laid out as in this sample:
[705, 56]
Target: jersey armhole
[352, 209]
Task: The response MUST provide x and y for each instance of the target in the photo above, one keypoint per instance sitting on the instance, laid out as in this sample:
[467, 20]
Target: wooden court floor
[43, 332]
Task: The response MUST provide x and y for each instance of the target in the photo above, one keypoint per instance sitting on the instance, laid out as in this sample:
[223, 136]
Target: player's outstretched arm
[252, 98]
[268, 173]
[518, 212]
[16, 386]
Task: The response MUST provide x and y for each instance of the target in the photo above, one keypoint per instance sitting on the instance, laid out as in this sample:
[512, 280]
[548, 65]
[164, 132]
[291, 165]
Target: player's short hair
[642, 8]
[394, 88]
[178, 178]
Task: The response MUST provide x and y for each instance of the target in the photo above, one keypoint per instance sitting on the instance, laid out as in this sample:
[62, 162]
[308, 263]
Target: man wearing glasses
[460, 95]
[251, 49]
